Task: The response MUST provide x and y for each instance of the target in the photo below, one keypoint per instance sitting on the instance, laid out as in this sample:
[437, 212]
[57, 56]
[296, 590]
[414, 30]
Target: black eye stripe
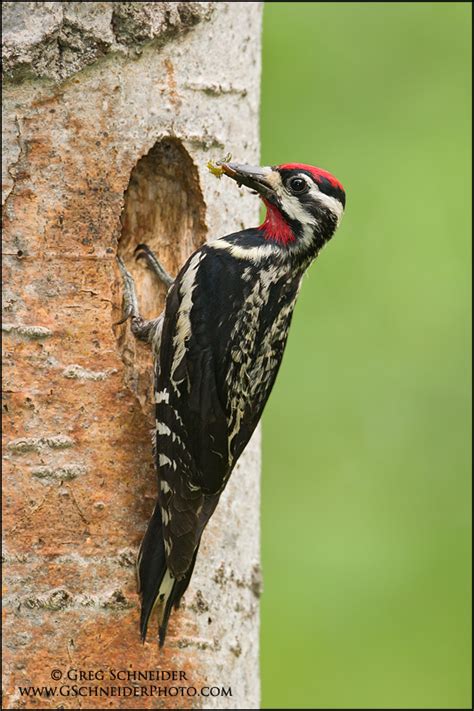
[323, 184]
[328, 188]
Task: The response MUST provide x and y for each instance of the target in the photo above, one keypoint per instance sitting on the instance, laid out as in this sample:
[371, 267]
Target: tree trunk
[111, 112]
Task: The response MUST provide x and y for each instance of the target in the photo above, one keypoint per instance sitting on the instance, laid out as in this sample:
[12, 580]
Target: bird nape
[217, 349]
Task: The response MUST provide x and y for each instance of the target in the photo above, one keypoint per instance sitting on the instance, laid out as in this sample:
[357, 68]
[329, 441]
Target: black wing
[224, 333]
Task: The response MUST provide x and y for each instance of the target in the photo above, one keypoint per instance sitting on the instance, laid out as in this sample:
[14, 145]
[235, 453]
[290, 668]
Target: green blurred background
[366, 499]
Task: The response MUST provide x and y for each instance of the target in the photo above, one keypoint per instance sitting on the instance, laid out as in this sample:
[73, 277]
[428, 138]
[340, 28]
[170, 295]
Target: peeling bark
[54, 40]
[111, 112]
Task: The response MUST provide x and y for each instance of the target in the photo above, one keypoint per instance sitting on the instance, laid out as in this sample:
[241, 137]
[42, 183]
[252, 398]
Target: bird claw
[129, 294]
[128, 313]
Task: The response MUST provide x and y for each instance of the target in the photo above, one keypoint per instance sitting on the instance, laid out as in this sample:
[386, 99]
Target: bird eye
[297, 185]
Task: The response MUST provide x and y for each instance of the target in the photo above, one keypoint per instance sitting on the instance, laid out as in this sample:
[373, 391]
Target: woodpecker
[217, 349]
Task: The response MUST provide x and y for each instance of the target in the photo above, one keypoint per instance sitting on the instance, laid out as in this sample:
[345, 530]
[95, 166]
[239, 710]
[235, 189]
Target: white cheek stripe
[295, 210]
[332, 204]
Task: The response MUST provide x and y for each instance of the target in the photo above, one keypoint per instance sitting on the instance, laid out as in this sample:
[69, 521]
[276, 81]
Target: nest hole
[163, 208]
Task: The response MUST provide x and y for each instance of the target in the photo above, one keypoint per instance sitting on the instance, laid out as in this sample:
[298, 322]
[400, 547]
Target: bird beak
[256, 179]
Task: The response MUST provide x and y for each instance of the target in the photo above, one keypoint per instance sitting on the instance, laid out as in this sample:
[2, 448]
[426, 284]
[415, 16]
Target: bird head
[304, 204]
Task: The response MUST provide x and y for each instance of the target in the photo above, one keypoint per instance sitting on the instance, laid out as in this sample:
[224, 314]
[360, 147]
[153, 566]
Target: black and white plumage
[217, 349]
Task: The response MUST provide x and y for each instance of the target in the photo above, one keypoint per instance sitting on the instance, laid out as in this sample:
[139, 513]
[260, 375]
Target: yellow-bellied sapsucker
[217, 349]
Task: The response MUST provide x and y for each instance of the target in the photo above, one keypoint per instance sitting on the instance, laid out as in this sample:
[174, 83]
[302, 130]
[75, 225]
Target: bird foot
[142, 251]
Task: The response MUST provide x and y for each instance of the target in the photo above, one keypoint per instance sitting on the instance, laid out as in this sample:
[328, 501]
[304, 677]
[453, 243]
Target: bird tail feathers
[160, 591]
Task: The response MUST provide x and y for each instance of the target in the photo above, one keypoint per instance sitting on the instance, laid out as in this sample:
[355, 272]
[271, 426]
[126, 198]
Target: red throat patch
[275, 226]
